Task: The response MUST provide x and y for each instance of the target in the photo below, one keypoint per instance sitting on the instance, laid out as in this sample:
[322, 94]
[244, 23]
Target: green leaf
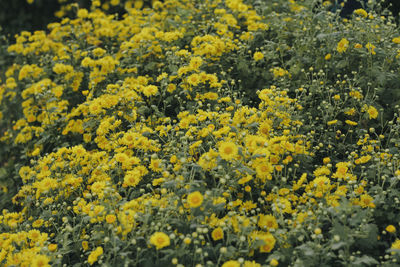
[365, 260]
[341, 64]
[338, 245]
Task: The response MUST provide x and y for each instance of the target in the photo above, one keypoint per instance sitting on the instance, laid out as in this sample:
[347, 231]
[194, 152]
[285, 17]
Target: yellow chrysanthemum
[342, 45]
[160, 240]
[372, 112]
[217, 234]
[396, 244]
[132, 178]
[40, 261]
[195, 199]
[396, 40]
[267, 222]
[231, 264]
[228, 150]
[390, 229]
[258, 56]
[94, 255]
[150, 90]
[361, 12]
[111, 218]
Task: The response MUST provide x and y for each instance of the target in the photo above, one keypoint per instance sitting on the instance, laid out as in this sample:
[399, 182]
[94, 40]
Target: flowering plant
[218, 133]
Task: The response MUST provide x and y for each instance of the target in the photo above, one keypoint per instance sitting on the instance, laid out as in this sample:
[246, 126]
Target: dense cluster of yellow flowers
[140, 150]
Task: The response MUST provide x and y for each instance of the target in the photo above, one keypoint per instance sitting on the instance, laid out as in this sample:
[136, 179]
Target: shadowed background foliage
[18, 15]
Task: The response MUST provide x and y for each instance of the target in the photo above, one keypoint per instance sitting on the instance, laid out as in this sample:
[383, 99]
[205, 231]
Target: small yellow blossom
[390, 229]
[94, 255]
[396, 40]
[160, 240]
[351, 123]
[332, 122]
[361, 12]
[228, 150]
[217, 234]
[231, 263]
[195, 199]
[371, 48]
[258, 56]
[110, 218]
[396, 244]
[274, 262]
[342, 45]
[328, 56]
[372, 112]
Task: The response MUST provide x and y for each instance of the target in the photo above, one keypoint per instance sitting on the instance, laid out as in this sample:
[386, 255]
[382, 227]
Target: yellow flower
[258, 56]
[171, 87]
[267, 221]
[245, 179]
[396, 40]
[372, 112]
[396, 244]
[269, 243]
[85, 245]
[208, 160]
[160, 240]
[317, 231]
[328, 56]
[217, 234]
[194, 79]
[332, 122]
[114, 2]
[251, 264]
[356, 95]
[132, 178]
[269, 240]
[138, 4]
[366, 201]
[322, 171]
[40, 261]
[195, 63]
[279, 72]
[231, 264]
[155, 165]
[110, 218]
[37, 223]
[264, 170]
[341, 172]
[342, 45]
[370, 48]
[82, 13]
[351, 123]
[228, 150]
[98, 52]
[390, 229]
[195, 199]
[52, 247]
[361, 12]
[150, 90]
[273, 262]
[94, 255]
[34, 235]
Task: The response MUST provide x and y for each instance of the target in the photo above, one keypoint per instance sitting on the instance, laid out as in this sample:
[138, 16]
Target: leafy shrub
[202, 133]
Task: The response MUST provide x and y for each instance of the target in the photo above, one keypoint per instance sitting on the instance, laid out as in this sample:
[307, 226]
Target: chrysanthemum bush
[202, 133]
